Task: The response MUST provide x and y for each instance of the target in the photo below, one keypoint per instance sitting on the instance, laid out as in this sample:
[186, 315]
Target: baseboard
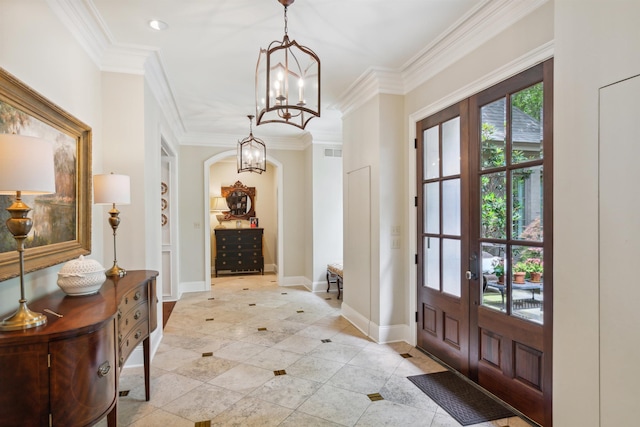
[186, 287]
[379, 334]
[297, 281]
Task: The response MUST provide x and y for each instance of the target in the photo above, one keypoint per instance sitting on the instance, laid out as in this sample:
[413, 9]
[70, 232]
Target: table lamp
[26, 168]
[219, 205]
[112, 189]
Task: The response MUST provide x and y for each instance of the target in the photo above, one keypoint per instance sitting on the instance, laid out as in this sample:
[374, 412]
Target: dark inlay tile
[251, 305]
[262, 329]
[209, 319]
[280, 372]
[300, 311]
[406, 355]
[124, 393]
[375, 396]
[284, 293]
[245, 289]
[326, 340]
[211, 298]
[328, 298]
[206, 423]
[207, 354]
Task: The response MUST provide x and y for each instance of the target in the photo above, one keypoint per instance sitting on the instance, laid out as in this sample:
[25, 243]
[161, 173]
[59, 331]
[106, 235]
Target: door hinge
[415, 201]
[48, 360]
[416, 317]
[50, 419]
[415, 143]
[416, 260]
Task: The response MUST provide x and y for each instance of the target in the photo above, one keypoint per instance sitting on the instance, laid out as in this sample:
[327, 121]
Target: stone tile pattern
[326, 383]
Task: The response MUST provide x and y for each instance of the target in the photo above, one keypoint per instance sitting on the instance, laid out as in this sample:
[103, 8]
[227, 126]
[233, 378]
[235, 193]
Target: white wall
[57, 68]
[327, 228]
[596, 44]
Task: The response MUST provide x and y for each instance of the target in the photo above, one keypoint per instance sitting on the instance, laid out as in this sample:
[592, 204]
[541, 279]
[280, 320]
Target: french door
[485, 241]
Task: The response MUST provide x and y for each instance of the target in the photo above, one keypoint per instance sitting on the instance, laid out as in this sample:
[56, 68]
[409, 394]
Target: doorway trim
[207, 224]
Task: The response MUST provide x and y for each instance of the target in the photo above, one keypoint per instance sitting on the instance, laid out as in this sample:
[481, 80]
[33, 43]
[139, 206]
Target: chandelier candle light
[287, 81]
[26, 168]
[252, 153]
[112, 189]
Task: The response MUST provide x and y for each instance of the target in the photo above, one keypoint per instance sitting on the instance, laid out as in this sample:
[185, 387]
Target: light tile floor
[326, 383]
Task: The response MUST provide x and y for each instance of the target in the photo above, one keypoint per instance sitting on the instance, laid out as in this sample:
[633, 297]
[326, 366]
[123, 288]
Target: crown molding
[231, 141]
[486, 20]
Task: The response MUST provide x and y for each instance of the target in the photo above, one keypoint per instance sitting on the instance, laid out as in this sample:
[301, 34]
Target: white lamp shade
[26, 165]
[218, 204]
[111, 189]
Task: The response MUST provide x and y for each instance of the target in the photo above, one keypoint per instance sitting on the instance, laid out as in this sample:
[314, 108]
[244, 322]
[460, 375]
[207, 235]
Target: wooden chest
[239, 249]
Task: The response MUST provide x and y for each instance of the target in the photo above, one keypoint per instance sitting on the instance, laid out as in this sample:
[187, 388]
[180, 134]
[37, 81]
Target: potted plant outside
[534, 268]
[498, 270]
[519, 272]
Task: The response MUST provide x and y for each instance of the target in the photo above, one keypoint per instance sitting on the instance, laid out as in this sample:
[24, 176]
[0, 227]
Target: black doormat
[463, 401]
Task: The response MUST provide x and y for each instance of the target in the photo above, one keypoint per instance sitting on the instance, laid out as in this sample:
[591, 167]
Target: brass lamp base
[23, 318]
[115, 271]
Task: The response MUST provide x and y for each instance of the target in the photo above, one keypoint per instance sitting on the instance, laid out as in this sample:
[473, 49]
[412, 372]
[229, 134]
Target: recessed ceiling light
[158, 25]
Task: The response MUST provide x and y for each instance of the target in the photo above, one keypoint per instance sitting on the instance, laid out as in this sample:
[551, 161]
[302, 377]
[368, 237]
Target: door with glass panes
[495, 289]
[443, 295]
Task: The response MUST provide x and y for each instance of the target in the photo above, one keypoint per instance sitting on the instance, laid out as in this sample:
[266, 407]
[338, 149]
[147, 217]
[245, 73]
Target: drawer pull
[121, 360]
[138, 334]
[137, 315]
[119, 338]
[137, 296]
[104, 369]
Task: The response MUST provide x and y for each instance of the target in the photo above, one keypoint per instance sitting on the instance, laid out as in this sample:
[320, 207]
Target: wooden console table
[65, 373]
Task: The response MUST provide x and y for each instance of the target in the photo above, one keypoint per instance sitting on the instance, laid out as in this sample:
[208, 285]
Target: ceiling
[206, 58]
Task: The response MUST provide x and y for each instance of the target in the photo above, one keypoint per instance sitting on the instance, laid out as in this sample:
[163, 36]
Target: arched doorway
[279, 252]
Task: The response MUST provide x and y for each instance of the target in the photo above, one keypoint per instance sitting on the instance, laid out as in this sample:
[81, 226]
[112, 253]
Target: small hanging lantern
[287, 82]
[252, 153]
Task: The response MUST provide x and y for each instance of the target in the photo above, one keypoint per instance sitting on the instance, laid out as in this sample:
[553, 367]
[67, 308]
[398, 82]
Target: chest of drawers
[239, 249]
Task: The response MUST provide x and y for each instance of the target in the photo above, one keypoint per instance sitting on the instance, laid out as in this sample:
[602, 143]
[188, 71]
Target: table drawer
[129, 319]
[136, 335]
[133, 298]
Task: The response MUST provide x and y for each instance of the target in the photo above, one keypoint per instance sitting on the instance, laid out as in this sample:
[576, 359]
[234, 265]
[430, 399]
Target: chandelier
[252, 153]
[287, 82]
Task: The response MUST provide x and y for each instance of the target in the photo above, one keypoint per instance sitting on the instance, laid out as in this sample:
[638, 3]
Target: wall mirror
[240, 200]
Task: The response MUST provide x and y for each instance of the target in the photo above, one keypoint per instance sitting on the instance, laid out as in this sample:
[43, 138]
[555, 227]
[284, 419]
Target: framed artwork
[61, 221]
[254, 222]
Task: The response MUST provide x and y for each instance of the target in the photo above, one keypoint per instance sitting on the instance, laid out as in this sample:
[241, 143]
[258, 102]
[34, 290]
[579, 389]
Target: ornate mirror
[240, 200]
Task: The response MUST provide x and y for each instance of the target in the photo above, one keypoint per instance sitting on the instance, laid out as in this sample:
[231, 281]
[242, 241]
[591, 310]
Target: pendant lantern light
[252, 153]
[287, 81]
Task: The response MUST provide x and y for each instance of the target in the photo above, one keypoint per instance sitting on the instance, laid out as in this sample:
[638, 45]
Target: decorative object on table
[62, 220]
[81, 276]
[112, 189]
[254, 222]
[287, 81]
[252, 153]
[238, 224]
[218, 205]
[26, 167]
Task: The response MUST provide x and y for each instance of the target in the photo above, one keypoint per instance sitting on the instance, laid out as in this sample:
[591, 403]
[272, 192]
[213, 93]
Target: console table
[239, 249]
[65, 373]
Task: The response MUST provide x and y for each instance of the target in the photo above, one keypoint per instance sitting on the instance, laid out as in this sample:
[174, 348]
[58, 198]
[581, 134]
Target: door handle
[472, 273]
